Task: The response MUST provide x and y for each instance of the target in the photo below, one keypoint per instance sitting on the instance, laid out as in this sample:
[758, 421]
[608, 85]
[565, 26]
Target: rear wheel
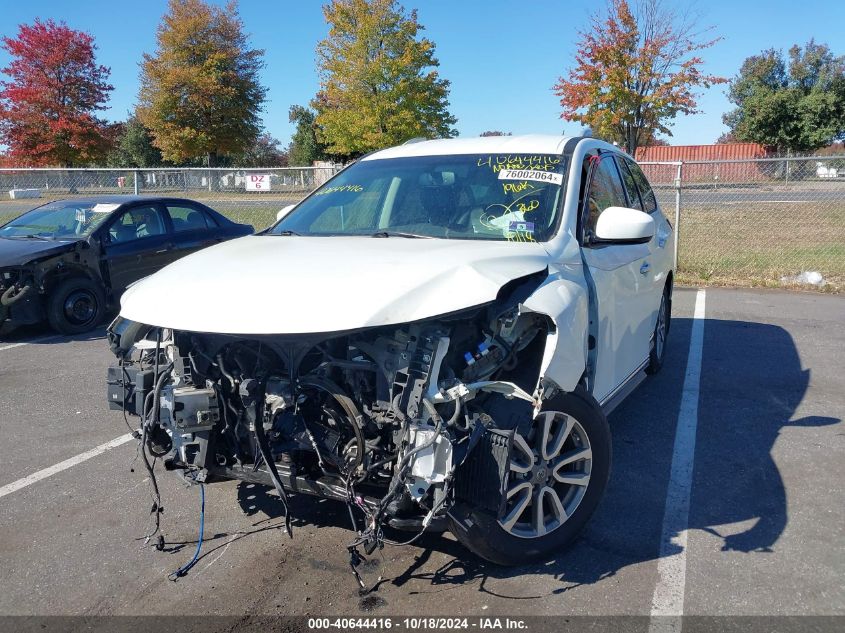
[661, 331]
[558, 473]
[76, 305]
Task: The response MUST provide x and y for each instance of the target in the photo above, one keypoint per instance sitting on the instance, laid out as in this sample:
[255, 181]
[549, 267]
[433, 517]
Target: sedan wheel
[76, 305]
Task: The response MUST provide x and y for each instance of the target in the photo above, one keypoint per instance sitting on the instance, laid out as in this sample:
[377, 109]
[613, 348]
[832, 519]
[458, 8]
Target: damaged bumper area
[402, 423]
[20, 303]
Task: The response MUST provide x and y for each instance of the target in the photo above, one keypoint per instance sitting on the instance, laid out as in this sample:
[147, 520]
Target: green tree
[634, 72]
[378, 80]
[304, 146]
[792, 105]
[200, 94]
[133, 146]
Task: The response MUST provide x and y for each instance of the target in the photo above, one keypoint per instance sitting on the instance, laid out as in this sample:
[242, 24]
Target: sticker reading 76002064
[531, 174]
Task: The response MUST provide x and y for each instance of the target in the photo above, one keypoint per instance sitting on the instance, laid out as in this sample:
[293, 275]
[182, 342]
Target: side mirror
[619, 225]
[284, 211]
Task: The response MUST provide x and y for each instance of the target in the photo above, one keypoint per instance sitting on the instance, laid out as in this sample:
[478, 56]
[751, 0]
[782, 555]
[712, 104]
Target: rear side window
[187, 218]
[646, 192]
[605, 191]
[630, 185]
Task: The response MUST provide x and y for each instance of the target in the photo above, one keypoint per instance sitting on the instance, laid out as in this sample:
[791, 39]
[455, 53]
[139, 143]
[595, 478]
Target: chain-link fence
[770, 222]
[763, 222]
[252, 196]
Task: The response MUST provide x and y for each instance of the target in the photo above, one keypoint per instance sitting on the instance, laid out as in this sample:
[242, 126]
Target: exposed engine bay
[402, 423]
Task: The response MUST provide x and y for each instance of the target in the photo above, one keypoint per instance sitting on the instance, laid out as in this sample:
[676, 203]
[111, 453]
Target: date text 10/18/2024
[417, 624]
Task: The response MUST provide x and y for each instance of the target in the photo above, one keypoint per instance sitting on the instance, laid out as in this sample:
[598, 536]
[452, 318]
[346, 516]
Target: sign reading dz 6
[258, 182]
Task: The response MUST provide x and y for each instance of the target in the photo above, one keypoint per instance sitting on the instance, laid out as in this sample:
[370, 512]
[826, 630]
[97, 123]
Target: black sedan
[70, 260]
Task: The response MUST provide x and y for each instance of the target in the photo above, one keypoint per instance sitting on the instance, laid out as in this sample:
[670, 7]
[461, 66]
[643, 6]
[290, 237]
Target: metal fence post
[678, 175]
[136, 175]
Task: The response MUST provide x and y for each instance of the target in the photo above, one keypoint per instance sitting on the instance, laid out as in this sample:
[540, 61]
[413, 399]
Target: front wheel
[76, 305]
[558, 474]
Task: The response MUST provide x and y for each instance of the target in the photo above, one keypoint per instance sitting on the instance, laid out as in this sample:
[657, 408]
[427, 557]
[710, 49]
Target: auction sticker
[531, 174]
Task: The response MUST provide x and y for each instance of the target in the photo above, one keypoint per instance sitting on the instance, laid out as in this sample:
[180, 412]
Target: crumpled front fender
[564, 299]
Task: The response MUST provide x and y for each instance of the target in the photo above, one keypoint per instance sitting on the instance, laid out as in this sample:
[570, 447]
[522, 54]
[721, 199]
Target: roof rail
[417, 139]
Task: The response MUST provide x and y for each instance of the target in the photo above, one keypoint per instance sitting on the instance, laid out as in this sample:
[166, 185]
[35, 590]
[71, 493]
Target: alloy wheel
[549, 475]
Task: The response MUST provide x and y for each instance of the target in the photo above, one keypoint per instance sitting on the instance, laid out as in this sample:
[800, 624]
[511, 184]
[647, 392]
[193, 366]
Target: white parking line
[57, 468]
[668, 598]
[35, 341]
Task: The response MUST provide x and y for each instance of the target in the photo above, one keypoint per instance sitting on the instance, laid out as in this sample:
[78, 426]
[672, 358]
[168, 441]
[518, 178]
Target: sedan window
[62, 219]
[137, 222]
[187, 218]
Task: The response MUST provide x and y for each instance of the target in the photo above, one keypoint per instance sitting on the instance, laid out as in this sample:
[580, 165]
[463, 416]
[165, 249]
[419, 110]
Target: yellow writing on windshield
[339, 188]
[517, 187]
[536, 162]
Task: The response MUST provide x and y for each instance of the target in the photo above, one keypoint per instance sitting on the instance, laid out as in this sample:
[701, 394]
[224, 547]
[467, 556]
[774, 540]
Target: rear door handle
[645, 268]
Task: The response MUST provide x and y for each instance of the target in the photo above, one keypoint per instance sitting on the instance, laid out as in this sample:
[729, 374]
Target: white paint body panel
[302, 285]
[297, 285]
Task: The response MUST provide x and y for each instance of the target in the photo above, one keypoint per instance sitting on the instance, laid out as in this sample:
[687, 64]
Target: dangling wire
[184, 569]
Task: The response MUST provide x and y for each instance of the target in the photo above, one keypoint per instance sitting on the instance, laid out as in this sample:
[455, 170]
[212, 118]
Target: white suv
[433, 337]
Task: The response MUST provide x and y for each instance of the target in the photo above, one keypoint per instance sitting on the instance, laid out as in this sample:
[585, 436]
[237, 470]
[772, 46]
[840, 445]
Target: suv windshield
[514, 197]
[59, 220]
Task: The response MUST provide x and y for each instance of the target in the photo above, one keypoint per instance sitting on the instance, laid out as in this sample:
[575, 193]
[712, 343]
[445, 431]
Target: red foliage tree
[48, 105]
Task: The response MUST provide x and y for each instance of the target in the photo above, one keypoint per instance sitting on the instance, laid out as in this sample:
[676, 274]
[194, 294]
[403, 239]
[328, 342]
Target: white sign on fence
[258, 182]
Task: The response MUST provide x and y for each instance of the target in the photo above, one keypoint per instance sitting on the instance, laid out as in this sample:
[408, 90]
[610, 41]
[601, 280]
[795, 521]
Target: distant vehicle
[68, 261]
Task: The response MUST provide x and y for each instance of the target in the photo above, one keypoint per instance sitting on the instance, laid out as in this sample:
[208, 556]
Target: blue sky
[501, 57]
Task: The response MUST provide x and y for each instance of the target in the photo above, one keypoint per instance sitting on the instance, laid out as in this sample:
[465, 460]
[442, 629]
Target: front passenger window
[605, 191]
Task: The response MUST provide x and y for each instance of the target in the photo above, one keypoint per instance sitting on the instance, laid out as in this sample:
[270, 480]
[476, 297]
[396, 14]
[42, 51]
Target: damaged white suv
[432, 337]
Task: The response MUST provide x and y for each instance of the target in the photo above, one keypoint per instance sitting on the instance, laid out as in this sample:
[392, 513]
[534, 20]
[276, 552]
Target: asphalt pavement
[764, 532]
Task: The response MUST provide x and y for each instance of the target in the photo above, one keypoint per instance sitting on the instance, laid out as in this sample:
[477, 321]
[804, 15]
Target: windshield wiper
[37, 237]
[399, 234]
[286, 233]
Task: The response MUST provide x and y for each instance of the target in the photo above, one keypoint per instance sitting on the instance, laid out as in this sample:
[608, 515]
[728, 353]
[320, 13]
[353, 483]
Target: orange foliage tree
[200, 92]
[634, 73]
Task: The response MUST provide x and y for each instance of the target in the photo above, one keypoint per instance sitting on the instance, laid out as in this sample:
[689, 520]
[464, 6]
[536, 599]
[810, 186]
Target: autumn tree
[133, 146]
[379, 84]
[48, 105]
[304, 146]
[635, 72]
[264, 152]
[200, 93]
[793, 105]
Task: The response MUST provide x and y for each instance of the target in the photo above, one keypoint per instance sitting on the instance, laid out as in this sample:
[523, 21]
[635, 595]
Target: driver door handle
[645, 268]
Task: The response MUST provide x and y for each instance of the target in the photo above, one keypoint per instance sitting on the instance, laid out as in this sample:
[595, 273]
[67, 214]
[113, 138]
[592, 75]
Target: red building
[707, 163]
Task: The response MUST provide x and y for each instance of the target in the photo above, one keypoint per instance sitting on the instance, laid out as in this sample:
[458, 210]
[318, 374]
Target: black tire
[485, 536]
[658, 348]
[76, 305]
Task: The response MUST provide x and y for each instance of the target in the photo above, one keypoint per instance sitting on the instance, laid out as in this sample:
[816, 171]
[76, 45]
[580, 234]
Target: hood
[20, 251]
[268, 284]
